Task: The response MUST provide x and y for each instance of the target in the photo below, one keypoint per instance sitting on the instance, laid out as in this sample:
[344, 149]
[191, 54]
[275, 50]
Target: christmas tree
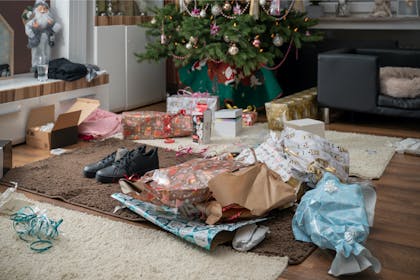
[246, 34]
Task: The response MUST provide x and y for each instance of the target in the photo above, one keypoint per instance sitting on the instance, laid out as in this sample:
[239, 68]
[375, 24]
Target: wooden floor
[395, 237]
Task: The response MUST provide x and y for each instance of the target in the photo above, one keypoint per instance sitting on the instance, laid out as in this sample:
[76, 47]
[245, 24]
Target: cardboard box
[65, 128]
[5, 157]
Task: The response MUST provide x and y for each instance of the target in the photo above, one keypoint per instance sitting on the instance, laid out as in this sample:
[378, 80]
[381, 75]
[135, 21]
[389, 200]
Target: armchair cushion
[402, 103]
[400, 81]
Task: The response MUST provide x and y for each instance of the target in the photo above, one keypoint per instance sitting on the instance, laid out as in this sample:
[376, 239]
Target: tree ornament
[203, 13]
[233, 50]
[163, 39]
[214, 29]
[227, 7]
[254, 9]
[193, 40]
[187, 2]
[278, 40]
[226, 38]
[153, 21]
[188, 45]
[275, 8]
[307, 33]
[216, 10]
[237, 9]
[262, 2]
[256, 43]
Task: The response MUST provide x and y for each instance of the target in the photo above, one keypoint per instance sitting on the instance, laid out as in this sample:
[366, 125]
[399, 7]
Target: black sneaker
[90, 170]
[136, 162]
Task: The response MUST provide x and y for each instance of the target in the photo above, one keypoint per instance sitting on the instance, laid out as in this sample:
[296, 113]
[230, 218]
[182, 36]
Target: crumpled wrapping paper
[337, 216]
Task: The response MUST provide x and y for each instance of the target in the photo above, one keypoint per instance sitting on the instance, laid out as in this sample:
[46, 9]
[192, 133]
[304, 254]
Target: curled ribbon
[184, 92]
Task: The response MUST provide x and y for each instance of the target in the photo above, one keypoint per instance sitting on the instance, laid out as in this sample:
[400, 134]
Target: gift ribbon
[28, 224]
[186, 93]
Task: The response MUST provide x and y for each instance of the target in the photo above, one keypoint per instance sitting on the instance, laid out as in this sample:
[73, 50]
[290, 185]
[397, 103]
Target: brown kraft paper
[256, 188]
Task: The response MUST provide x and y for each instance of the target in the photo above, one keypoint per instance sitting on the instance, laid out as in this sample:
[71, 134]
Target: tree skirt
[93, 247]
[61, 177]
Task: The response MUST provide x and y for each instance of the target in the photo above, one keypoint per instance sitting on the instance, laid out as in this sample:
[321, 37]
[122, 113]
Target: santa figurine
[41, 29]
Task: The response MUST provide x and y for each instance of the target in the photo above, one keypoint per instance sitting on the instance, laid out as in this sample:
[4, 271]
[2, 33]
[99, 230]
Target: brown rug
[61, 177]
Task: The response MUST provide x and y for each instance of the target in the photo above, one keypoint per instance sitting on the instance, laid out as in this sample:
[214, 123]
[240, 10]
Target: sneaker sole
[107, 180]
[89, 174]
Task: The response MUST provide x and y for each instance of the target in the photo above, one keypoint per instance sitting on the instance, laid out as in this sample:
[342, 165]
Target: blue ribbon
[28, 225]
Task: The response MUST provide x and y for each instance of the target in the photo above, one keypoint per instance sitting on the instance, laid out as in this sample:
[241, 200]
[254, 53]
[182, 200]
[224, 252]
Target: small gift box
[152, 125]
[187, 101]
[249, 116]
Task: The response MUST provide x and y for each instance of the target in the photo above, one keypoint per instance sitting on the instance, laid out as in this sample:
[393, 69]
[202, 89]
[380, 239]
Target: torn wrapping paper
[256, 188]
[185, 182]
[193, 231]
[337, 216]
[300, 155]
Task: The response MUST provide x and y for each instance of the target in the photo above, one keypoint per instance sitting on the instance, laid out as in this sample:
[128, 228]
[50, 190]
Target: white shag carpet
[369, 154]
[92, 247]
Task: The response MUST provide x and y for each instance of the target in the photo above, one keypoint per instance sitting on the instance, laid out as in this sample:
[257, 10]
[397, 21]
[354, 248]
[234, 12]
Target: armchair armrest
[348, 81]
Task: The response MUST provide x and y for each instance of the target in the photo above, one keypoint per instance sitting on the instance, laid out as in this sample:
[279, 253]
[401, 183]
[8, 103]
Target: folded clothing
[63, 69]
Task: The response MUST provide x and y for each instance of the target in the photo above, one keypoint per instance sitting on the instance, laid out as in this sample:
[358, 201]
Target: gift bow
[249, 108]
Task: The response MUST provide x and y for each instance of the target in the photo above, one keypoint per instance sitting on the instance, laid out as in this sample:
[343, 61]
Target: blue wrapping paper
[334, 216]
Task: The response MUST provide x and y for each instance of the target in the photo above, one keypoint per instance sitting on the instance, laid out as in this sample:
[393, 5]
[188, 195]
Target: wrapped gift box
[249, 118]
[188, 102]
[293, 107]
[153, 125]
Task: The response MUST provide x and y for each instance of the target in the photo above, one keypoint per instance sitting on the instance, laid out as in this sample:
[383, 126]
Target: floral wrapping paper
[188, 103]
[154, 125]
[186, 182]
[193, 231]
[296, 106]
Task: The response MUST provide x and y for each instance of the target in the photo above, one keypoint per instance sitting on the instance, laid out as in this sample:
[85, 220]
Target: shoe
[90, 170]
[136, 162]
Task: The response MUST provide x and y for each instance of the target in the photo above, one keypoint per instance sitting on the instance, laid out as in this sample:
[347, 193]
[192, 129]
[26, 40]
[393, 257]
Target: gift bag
[187, 101]
[152, 125]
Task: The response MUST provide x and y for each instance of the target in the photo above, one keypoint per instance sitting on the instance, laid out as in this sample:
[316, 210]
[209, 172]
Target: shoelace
[123, 163]
[29, 225]
[108, 157]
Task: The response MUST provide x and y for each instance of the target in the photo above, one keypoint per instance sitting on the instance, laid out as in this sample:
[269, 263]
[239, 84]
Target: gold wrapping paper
[296, 106]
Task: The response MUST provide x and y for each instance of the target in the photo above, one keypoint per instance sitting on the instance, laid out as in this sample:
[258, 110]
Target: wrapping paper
[193, 231]
[299, 155]
[296, 106]
[256, 188]
[334, 216]
[249, 118]
[188, 101]
[152, 125]
[184, 183]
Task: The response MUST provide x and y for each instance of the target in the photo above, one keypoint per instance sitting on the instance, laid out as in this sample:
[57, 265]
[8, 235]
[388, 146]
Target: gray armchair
[348, 79]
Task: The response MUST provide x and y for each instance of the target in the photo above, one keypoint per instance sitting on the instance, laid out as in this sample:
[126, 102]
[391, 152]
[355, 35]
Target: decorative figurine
[41, 29]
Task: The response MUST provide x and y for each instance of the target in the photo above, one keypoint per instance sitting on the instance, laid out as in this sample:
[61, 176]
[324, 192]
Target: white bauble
[188, 45]
[262, 2]
[233, 50]
[278, 40]
[153, 21]
[203, 13]
[216, 10]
